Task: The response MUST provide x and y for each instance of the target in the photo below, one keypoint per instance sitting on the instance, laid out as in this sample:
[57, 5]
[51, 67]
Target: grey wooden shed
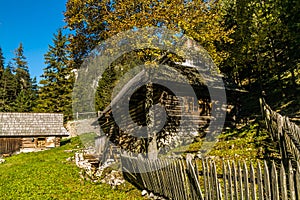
[30, 131]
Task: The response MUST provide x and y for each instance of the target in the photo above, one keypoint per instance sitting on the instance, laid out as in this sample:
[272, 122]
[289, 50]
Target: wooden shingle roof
[32, 124]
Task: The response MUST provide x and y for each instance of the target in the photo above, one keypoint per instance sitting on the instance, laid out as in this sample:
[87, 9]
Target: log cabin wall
[57, 141]
[197, 110]
[40, 142]
[28, 143]
[12, 145]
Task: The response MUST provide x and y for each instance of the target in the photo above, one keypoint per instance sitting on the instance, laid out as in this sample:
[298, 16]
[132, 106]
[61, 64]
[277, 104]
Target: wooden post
[235, 183]
[261, 100]
[225, 180]
[298, 180]
[240, 175]
[152, 143]
[246, 182]
[260, 182]
[267, 182]
[274, 178]
[291, 182]
[252, 183]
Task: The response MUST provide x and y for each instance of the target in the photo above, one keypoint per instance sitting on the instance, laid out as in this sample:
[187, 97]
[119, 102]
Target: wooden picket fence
[210, 179]
[283, 131]
[213, 179]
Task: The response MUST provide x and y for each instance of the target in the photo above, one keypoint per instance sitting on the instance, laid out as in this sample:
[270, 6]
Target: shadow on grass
[65, 142]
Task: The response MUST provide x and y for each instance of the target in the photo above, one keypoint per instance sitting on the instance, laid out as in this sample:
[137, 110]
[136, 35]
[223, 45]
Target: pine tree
[55, 94]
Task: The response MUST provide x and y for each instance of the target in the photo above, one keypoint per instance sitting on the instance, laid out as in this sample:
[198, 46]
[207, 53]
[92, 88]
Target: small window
[41, 142]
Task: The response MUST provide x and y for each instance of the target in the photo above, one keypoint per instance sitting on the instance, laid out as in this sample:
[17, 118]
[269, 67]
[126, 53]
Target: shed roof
[31, 124]
[166, 75]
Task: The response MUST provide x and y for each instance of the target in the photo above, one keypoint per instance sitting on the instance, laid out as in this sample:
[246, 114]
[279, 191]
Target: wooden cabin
[25, 132]
[197, 109]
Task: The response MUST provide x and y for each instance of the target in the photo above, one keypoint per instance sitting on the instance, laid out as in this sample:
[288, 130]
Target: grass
[247, 143]
[48, 175]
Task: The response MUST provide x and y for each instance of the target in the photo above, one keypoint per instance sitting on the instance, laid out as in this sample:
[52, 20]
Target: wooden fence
[211, 179]
[283, 131]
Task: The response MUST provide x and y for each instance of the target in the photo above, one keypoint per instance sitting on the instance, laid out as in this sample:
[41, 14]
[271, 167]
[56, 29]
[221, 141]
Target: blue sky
[32, 22]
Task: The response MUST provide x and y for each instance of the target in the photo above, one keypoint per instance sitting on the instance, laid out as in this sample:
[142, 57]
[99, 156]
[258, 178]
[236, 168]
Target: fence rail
[208, 179]
[283, 131]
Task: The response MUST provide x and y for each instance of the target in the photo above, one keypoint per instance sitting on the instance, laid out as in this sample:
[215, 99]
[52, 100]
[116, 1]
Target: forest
[255, 44]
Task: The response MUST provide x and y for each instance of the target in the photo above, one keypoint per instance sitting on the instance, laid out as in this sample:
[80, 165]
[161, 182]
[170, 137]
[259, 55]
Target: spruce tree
[21, 69]
[8, 90]
[25, 99]
[1, 63]
[55, 94]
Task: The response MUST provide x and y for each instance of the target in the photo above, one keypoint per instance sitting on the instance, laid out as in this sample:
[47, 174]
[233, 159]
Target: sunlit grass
[47, 175]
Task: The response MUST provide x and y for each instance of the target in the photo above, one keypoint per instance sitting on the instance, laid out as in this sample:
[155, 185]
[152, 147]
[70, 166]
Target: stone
[69, 159]
[151, 195]
[144, 192]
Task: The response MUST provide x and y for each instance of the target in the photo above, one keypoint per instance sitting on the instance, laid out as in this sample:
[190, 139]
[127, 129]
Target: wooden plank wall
[204, 179]
[9, 145]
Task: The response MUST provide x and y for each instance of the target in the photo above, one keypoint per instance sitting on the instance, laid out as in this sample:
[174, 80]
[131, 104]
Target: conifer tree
[55, 94]
[21, 69]
[2, 92]
[25, 98]
[8, 89]
[1, 63]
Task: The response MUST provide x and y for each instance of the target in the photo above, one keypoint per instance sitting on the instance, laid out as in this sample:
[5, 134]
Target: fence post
[291, 182]
[240, 175]
[298, 179]
[236, 191]
[193, 179]
[283, 184]
[267, 182]
[217, 185]
[260, 182]
[246, 182]
[261, 100]
[274, 178]
[253, 182]
[225, 180]
[205, 178]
